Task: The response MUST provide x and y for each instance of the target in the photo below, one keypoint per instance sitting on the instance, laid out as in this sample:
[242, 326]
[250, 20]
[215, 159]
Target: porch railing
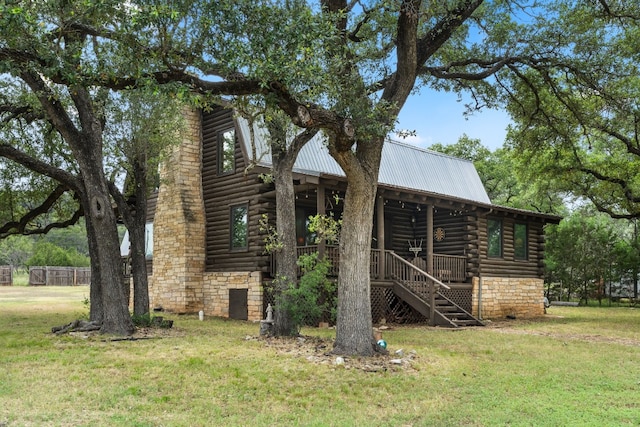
[446, 268]
[450, 268]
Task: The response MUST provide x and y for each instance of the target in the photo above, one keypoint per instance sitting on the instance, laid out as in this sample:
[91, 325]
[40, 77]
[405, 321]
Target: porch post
[430, 239]
[380, 236]
[320, 209]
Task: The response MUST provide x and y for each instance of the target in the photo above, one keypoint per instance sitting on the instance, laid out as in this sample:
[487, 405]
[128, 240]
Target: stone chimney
[179, 226]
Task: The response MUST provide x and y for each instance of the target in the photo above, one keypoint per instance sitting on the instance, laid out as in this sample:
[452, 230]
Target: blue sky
[438, 117]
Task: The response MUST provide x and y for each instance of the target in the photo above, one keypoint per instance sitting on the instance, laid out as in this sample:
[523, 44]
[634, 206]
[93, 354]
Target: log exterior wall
[507, 286]
[507, 265]
[221, 192]
[191, 226]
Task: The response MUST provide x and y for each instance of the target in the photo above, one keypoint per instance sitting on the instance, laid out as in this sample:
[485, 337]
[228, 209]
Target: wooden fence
[6, 275]
[59, 276]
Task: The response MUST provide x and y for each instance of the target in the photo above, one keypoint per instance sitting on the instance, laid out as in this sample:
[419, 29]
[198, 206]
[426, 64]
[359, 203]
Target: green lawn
[577, 366]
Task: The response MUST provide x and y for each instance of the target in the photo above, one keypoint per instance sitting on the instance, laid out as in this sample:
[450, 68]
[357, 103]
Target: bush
[309, 300]
[46, 253]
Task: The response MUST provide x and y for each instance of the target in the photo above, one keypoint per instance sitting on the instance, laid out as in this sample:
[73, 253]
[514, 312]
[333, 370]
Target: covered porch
[424, 248]
[437, 235]
[402, 291]
[446, 268]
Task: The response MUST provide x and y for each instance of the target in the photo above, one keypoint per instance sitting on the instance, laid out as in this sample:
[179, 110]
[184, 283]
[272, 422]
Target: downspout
[480, 281]
[480, 296]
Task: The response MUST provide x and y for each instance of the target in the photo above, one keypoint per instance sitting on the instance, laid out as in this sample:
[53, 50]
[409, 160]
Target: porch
[446, 268]
[403, 292]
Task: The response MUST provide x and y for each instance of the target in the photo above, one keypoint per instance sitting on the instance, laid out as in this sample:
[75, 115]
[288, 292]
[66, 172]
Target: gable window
[239, 227]
[520, 241]
[494, 234]
[226, 151]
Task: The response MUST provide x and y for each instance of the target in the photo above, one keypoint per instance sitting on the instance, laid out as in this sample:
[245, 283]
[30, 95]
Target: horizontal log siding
[401, 231]
[222, 192]
[152, 202]
[507, 265]
[461, 233]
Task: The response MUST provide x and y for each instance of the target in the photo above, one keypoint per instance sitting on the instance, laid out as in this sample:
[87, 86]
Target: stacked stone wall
[179, 227]
[508, 296]
[216, 292]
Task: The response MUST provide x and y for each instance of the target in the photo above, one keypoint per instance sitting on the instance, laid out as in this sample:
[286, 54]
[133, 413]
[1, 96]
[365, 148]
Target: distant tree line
[61, 247]
[590, 255]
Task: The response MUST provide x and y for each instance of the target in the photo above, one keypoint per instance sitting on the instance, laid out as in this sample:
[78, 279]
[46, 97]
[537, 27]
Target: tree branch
[490, 68]
[444, 29]
[60, 175]
[20, 226]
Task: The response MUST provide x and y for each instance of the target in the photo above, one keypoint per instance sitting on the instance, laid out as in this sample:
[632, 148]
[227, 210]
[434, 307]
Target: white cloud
[411, 137]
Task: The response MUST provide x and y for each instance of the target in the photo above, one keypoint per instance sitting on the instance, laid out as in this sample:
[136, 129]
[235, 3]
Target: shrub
[310, 299]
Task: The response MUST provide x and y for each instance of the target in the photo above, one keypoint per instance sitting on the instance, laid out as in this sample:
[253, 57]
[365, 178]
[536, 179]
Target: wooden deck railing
[446, 268]
[450, 268]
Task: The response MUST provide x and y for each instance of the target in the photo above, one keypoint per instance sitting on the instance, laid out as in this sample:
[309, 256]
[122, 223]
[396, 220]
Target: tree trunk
[102, 226]
[354, 332]
[354, 329]
[96, 309]
[103, 237]
[286, 257]
[283, 155]
[139, 269]
[138, 241]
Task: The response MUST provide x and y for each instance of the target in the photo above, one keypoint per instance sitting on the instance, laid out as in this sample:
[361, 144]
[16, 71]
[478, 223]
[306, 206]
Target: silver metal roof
[403, 166]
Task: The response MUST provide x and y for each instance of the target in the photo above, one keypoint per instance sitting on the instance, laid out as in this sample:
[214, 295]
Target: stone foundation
[216, 293]
[502, 297]
[211, 294]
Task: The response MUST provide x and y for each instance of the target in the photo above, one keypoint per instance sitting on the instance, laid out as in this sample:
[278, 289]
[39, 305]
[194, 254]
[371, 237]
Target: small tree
[306, 302]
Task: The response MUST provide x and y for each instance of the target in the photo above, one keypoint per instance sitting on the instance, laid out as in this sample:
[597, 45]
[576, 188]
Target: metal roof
[403, 166]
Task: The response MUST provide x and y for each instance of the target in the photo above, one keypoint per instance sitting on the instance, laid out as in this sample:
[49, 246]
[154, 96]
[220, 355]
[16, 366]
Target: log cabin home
[442, 252]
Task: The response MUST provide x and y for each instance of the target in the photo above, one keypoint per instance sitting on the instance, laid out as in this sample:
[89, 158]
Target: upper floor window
[226, 151]
[239, 228]
[494, 234]
[520, 243]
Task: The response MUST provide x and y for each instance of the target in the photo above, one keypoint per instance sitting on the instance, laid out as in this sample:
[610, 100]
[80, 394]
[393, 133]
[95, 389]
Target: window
[494, 233]
[125, 246]
[520, 241]
[239, 228]
[226, 151]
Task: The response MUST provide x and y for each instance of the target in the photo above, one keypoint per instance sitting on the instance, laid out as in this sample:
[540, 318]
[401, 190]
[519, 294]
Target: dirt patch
[318, 350]
[509, 327]
[139, 334]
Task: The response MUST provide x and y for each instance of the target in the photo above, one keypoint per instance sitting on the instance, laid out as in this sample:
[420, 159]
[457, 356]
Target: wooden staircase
[446, 312]
[421, 290]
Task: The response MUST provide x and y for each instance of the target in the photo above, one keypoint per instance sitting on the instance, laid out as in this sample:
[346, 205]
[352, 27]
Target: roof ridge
[425, 150]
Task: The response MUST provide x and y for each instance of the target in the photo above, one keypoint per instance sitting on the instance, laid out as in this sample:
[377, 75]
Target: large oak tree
[368, 58]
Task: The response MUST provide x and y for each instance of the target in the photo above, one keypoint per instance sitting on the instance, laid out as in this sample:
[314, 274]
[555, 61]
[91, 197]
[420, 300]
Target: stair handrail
[433, 286]
[418, 270]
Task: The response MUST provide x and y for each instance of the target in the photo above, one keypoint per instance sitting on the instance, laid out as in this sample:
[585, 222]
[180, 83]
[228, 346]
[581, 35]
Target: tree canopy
[577, 122]
[345, 68]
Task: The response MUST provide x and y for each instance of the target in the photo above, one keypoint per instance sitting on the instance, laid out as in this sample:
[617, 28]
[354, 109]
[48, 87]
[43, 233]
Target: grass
[21, 278]
[577, 366]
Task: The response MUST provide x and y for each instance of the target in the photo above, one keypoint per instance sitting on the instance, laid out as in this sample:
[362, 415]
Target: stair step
[466, 322]
[454, 315]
